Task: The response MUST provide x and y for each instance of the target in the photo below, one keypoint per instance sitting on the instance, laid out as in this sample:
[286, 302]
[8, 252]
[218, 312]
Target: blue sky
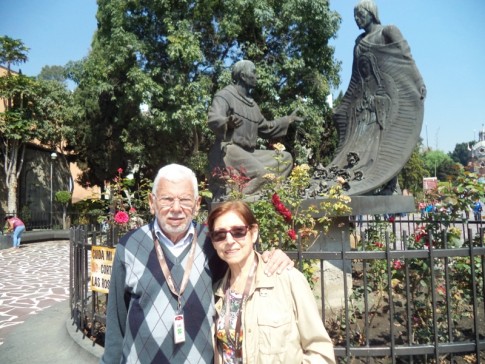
[446, 39]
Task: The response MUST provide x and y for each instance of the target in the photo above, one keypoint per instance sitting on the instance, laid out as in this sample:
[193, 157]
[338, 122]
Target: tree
[440, 165]
[461, 153]
[52, 73]
[34, 110]
[171, 57]
[64, 198]
[411, 176]
[15, 91]
[12, 52]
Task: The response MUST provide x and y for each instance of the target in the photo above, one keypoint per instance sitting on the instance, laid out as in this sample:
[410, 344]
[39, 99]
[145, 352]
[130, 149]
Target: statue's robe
[392, 144]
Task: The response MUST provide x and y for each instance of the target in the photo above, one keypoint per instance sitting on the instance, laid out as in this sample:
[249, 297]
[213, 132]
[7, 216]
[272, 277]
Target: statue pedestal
[338, 240]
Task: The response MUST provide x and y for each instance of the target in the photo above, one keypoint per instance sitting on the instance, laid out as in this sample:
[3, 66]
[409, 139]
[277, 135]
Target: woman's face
[232, 239]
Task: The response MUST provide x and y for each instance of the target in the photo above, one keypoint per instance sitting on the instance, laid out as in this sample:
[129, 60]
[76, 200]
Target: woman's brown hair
[240, 208]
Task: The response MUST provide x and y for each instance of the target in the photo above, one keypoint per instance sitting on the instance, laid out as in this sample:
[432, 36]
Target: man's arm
[277, 261]
[116, 314]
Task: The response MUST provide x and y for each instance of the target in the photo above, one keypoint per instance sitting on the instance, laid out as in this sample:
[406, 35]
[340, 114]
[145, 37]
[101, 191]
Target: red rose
[287, 215]
[292, 234]
[275, 199]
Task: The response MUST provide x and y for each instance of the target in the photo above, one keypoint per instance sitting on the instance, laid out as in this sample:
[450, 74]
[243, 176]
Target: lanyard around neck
[166, 272]
[237, 345]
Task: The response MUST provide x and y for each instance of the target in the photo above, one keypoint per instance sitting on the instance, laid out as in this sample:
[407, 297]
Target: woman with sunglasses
[261, 319]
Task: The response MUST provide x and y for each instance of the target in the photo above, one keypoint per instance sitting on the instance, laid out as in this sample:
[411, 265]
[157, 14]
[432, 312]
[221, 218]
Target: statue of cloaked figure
[237, 122]
[381, 114]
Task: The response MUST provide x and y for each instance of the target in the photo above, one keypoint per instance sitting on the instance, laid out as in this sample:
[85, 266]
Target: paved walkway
[35, 322]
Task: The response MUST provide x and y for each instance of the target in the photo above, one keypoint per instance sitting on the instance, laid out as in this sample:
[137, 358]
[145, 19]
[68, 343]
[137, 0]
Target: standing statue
[237, 122]
[381, 114]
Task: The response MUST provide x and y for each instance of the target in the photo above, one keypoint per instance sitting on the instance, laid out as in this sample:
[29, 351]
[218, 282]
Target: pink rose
[121, 217]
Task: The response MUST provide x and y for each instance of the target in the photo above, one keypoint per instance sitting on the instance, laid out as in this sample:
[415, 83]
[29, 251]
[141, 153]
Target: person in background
[161, 299]
[477, 210]
[422, 209]
[17, 227]
[261, 319]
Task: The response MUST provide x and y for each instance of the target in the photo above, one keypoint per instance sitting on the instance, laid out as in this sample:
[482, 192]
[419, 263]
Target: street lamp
[53, 158]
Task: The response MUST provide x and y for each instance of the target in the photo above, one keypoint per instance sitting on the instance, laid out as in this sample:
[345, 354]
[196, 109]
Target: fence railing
[410, 297]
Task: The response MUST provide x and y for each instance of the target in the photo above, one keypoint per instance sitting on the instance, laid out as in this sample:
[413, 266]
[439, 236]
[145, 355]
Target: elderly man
[236, 120]
[160, 303]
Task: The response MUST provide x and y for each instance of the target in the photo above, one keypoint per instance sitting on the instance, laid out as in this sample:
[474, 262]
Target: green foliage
[87, 211]
[426, 276]
[63, 197]
[461, 154]
[127, 205]
[440, 165]
[457, 196]
[283, 218]
[411, 176]
[52, 73]
[12, 51]
[171, 57]
[34, 110]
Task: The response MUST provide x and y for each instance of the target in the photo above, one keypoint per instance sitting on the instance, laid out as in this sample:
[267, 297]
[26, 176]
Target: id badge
[179, 329]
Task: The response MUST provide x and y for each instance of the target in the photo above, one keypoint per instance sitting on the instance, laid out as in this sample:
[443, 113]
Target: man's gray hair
[175, 173]
[239, 68]
[371, 7]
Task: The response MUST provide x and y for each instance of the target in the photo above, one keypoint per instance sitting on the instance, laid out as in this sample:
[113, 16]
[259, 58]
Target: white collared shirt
[179, 247]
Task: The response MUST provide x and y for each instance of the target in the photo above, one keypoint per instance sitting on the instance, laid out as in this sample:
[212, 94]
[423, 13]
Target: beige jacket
[281, 321]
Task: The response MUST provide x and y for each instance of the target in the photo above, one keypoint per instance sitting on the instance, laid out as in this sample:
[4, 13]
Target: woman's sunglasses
[237, 232]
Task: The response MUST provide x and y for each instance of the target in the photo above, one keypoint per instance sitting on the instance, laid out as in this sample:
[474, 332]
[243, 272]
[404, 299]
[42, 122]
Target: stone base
[334, 271]
[5, 241]
[339, 239]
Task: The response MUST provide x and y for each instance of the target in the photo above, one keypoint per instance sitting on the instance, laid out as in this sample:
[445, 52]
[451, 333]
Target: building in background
[44, 172]
[478, 155]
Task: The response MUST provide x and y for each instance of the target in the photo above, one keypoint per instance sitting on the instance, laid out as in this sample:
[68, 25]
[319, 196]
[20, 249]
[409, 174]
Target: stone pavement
[35, 325]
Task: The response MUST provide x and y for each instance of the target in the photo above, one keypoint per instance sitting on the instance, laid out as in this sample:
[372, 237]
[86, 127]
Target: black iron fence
[408, 296]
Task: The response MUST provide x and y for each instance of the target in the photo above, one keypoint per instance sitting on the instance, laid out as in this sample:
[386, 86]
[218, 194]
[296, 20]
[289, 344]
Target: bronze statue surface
[380, 117]
[237, 122]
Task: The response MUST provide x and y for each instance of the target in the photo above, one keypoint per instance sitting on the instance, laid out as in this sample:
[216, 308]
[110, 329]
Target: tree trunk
[12, 192]
[13, 166]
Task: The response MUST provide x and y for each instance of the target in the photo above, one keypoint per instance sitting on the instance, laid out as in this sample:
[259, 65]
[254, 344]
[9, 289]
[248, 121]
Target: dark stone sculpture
[380, 117]
[237, 121]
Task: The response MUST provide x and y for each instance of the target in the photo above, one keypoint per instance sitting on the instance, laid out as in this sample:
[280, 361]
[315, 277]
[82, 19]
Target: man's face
[249, 77]
[362, 17]
[174, 206]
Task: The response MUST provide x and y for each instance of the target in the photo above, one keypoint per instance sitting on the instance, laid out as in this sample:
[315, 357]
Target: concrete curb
[49, 338]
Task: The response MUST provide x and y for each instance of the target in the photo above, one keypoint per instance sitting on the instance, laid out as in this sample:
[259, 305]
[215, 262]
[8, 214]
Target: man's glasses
[186, 202]
[237, 232]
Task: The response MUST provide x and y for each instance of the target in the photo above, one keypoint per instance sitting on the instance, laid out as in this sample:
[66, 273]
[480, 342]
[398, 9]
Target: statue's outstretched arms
[294, 117]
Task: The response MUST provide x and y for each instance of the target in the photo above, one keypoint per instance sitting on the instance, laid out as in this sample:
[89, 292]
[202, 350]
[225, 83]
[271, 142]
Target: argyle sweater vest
[146, 327]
